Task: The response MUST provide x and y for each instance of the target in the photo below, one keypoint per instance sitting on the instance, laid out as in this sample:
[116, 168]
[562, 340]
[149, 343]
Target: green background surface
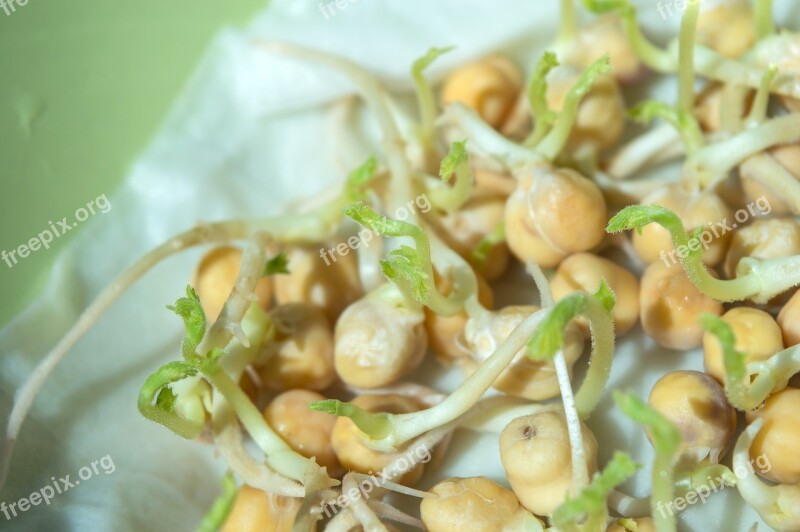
[83, 87]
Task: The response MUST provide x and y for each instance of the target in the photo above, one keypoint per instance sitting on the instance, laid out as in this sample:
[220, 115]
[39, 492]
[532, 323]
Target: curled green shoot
[454, 165]
[411, 269]
[425, 97]
[221, 507]
[666, 441]
[405, 427]
[683, 121]
[757, 280]
[549, 340]
[705, 477]
[157, 401]
[589, 510]
[543, 116]
[552, 144]
[748, 385]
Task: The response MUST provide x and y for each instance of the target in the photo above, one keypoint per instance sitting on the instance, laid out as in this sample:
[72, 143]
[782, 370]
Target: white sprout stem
[714, 65]
[215, 233]
[772, 174]
[771, 375]
[392, 486]
[643, 150]
[418, 391]
[390, 512]
[344, 521]
[464, 279]
[568, 28]
[408, 426]
[732, 107]
[771, 277]
[760, 106]
[760, 496]
[542, 284]
[716, 160]
[638, 189]
[764, 19]
[628, 506]
[488, 139]
[228, 439]
[376, 97]
[228, 324]
[580, 470]
[361, 510]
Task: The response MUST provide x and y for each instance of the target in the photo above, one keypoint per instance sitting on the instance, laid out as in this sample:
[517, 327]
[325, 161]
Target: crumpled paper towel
[249, 134]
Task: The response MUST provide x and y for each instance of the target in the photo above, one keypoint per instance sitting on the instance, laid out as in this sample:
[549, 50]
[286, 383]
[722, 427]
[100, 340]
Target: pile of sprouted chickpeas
[309, 355]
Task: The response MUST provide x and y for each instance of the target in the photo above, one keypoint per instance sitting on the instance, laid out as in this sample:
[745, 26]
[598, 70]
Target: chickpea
[605, 35]
[537, 459]
[644, 524]
[771, 238]
[757, 335]
[444, 333]
[696, 404]
[349, 446]
[584, 271]
[778, 443]
[789, 157]
[464, 229]
[301, 355]
[727, 27]
[601, 115]
[655, 242]
[330, 284]
[474, 503]
[379, 341]
[708, 107]
[789, 321]
[215, 275]
[526, 378]
[256, 511]
[306, 431]
[552, 214]
[490, 86]
[671, 305]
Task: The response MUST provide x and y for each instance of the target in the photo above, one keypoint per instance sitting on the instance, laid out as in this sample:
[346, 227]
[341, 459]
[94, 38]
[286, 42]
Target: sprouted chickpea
[770, 238]
[670, 305]
[445, 333]
[464, 230]
[490, 86]
[526, 378]
[757, 334]
[760, 186]
[696, 405]
[323, 278]
[601, 115]
[348, 441]
[379, 339]
[789, 321]
[214, 277]
[306, 431]
[300, 353]
[552, 214]
[584, 271]
[779, 440]
[536, 456]
[474, 503]
[256, 511]
[727, 27]
[706, 209]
